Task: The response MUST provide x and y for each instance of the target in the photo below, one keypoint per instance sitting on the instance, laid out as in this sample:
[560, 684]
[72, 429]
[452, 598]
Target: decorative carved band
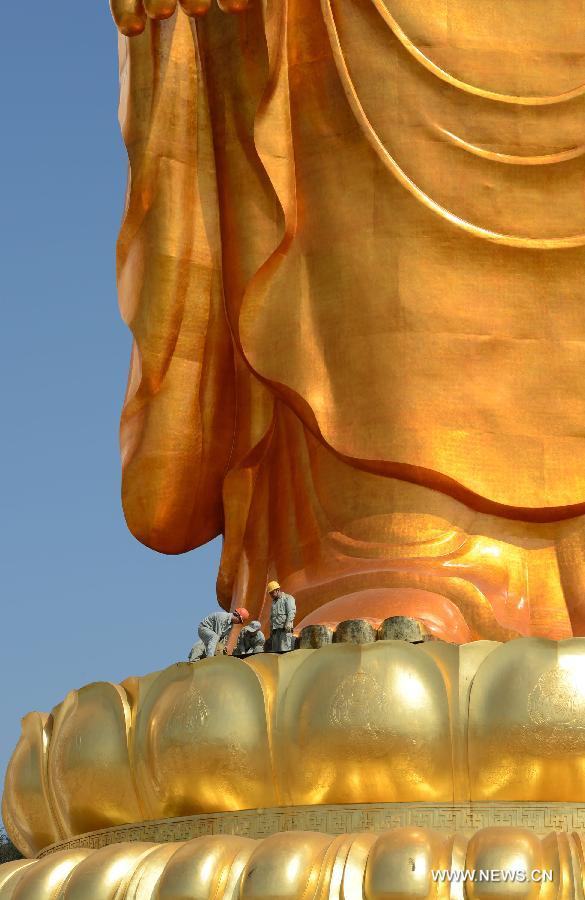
[464, 818]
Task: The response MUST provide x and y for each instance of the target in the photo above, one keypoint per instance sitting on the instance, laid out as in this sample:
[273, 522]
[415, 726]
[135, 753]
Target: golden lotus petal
[27, 809]
[201, 740]
[369, 722]
[42, 879]
[527, 722]
[197, 864]
[88, 760]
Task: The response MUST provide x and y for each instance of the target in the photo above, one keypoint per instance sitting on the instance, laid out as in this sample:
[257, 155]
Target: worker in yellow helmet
[282, 617]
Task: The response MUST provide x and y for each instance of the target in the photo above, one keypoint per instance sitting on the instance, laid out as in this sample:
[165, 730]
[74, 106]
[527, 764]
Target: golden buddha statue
[351, 260]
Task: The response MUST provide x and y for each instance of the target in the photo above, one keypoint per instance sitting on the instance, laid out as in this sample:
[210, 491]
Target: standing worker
[250, 641]
[282, 617]
[214, 628]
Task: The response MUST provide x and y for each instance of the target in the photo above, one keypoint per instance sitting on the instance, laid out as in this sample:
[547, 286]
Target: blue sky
[80, 599]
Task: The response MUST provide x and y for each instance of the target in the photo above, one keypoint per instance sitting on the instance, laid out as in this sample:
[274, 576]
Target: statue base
[464, 819]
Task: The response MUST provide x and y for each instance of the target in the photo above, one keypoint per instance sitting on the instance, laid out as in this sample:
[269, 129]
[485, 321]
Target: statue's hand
[131, 15]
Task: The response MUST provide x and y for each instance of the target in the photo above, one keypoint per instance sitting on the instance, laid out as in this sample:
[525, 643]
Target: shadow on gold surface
[348, 723]
[308, 866]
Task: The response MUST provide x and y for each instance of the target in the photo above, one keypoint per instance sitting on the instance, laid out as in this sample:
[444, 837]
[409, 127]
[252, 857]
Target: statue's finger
[160, 9]
[129, 16]
[233, 6]
[196, 7]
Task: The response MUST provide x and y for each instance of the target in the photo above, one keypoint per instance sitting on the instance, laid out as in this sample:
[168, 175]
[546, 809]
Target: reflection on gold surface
[544, 749]
[384, 722]
[307, 865]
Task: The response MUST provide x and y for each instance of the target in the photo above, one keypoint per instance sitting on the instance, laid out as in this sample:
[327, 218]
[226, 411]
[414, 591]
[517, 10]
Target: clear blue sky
[80, 599]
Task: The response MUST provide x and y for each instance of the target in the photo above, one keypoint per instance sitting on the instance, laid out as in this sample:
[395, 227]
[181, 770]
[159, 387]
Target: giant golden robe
[352, 261]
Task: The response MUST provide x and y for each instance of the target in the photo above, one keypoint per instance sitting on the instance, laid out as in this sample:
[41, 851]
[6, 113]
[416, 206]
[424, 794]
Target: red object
[243, 613]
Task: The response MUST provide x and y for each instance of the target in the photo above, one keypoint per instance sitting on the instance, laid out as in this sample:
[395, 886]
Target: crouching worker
[250, 640]
[213, 629]
[282, 617]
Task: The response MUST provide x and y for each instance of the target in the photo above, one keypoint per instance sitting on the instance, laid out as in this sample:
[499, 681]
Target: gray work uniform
[249, 642]
[282, 614]
[214, 628]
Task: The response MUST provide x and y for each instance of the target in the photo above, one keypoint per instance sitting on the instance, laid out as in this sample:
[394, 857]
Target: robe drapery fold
[359, 223]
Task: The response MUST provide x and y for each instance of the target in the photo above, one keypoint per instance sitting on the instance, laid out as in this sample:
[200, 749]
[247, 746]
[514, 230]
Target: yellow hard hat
[273, 586]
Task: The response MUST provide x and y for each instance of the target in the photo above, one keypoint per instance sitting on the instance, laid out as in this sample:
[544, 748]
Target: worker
[250, 640]
[282, 617]
[215, 628]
